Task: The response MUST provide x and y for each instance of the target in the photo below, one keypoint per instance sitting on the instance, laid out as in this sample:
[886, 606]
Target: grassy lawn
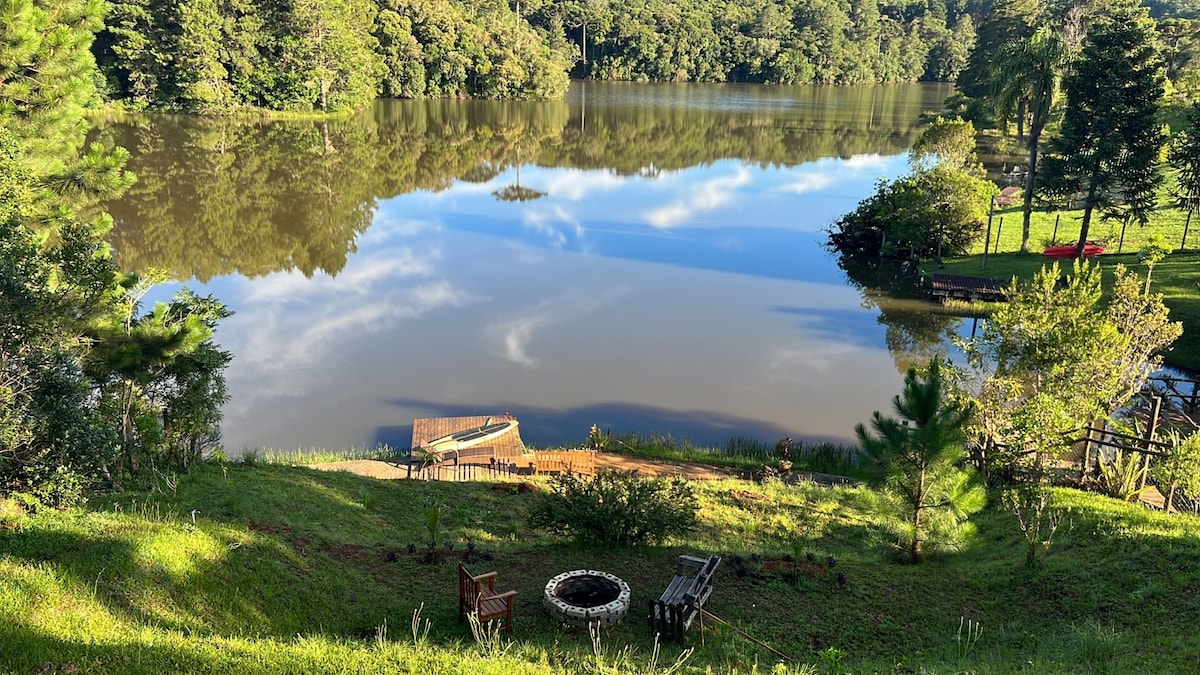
[266, 568]
[1177, 277]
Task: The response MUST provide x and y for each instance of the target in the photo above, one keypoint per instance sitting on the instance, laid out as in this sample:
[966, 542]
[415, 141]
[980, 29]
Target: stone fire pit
[583, 597]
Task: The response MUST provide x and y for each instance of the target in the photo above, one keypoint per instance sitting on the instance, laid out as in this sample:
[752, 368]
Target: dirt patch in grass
[390, 470]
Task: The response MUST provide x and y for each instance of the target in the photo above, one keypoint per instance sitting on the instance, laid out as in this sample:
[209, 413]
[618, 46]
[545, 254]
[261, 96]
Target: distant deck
[958, 287]
[505, 447]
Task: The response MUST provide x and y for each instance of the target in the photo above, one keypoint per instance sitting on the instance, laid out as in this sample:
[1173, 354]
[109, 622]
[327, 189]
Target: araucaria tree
[1106, 155]
[916, 458]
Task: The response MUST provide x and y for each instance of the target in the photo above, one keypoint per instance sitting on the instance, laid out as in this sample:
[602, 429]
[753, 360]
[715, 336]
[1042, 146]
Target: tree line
[211, 56]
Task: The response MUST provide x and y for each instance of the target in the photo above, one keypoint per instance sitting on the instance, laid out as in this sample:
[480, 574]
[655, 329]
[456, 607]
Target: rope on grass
[760, 643]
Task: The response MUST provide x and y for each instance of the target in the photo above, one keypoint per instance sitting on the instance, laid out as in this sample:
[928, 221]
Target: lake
[645, 257]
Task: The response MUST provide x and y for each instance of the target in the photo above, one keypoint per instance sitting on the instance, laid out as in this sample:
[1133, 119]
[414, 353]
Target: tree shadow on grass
[274, 551]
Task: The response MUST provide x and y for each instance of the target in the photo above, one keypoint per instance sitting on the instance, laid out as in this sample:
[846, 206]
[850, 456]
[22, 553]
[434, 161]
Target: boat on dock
[468, 438]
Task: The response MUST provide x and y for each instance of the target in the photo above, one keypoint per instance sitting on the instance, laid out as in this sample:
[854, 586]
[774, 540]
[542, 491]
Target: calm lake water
[642, 257]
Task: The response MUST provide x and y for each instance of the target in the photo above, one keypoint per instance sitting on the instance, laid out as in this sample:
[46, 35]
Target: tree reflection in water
[916, 330]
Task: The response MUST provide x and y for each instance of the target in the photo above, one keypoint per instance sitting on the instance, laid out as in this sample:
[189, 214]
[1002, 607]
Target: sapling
[1038, 523]
[433, 522]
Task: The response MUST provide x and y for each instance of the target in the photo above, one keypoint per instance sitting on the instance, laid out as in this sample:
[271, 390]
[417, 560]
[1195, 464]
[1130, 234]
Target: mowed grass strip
[266, 568]
[1177, 276]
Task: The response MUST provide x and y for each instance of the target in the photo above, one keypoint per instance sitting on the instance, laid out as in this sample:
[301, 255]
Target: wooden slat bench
[673, 613]
[477, 593]
[582, 462]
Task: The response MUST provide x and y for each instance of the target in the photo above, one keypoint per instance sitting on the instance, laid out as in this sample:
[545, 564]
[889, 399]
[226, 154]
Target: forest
[219, 56]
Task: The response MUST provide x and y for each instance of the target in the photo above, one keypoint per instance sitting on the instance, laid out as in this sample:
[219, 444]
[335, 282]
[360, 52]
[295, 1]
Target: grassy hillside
[265, 568]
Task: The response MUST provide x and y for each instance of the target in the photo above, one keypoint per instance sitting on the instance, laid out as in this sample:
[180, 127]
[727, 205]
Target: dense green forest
[217, 56]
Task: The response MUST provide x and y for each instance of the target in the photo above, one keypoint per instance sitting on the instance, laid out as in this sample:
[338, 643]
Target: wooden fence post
[1152, 426]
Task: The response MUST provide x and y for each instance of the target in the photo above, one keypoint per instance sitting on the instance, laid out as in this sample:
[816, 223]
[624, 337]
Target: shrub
[616, 508]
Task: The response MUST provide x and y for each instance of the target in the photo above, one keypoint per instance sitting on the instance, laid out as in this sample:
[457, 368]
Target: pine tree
[47, 77]
[915, 459]
[1106, 154]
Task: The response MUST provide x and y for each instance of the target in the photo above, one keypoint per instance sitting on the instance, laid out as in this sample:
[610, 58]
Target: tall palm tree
[1026, 78]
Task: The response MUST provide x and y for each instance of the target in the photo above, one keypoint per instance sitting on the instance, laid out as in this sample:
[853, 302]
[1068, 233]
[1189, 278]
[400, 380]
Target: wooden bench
[477, 593]
[581, 462]
[672, 614]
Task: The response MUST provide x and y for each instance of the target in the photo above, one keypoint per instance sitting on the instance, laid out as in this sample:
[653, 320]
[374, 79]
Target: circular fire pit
[584, 597]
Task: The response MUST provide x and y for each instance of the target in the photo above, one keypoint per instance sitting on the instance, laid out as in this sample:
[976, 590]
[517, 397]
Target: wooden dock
[957, 287]
[507, 448]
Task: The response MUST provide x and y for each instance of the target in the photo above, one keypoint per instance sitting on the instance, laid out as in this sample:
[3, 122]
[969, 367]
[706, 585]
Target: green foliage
[1025, 81]
[1006, 21]
[915, 460]
[1052, 359]
[68, 329]
[1179, 471]
[597, 440]
[942, 209]
[46, 75]
[217, 57]
[947, 143]
[1185, 159]
[1121, 475]
[1152, 253]
[208, 56]
[1106, 154]
[433, 522]
[616, 508]
[48, 293]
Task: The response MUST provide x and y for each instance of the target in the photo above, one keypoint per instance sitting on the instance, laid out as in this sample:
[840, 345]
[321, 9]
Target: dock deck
[958, 287]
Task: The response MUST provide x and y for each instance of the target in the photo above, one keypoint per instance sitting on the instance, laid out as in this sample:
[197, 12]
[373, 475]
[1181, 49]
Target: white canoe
[461, 440]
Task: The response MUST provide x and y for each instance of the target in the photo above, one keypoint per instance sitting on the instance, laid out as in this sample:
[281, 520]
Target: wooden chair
[673, 613]
[478, 594]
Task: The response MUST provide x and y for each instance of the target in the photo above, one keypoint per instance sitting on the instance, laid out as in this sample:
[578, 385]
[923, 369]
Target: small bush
[616, 508]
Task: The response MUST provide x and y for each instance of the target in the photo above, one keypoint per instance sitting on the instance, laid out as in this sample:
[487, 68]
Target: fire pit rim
[608, 614]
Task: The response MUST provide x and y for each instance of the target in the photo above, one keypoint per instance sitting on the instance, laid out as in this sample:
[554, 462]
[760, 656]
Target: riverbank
[1177, 277]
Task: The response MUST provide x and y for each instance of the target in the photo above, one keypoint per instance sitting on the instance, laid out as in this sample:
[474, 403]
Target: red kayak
[1068, 250]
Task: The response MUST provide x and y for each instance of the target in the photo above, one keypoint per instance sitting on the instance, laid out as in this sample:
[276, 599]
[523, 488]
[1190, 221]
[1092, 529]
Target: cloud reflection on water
[642, 291]
[527, 307]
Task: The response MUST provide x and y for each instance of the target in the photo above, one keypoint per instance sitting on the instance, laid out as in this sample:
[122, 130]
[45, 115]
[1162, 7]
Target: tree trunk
[1021, 106]
[1087, 221]
[920, 500]
[127, 440]
[1035, 132]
